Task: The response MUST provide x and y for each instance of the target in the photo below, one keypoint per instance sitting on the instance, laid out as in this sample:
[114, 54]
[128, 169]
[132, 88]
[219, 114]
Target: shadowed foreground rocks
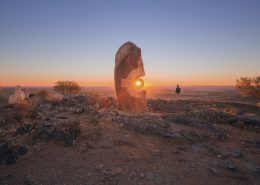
[85, 140]
[10, 152]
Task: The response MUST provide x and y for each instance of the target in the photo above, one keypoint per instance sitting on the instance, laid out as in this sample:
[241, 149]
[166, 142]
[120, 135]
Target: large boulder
[18, 97]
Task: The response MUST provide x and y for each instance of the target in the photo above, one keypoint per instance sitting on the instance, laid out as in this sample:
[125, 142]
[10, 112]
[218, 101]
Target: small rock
[153, 176]
[155, 153]
[214, 170]
[231, 166]
[37, 147]
[2, 177]
[80, 110]
[118, 170]
[223, 153]
[22, 150]
[199, 148]
[20, 130]
[174, 135]
[237, 153]
[253, 166]
[8, 158]
[3, 147]
[28, 180]
[239, 124]
[15, 153]
[192, 135]
[99, 167]
[255, 142]
[107, 145]
[83, 147]
[2, 121]
[48, 124]
[251, 120]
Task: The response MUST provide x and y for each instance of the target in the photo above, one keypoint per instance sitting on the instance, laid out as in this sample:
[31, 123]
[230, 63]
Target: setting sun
[138, 83]
[130, 92]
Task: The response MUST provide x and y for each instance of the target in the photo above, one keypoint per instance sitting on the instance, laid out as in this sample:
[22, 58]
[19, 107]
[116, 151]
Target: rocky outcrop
[194, 130]
[65, 133]
[9, 152]
[146, 124]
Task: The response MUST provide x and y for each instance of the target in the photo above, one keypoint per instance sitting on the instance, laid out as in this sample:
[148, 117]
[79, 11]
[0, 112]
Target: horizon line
[113, 86]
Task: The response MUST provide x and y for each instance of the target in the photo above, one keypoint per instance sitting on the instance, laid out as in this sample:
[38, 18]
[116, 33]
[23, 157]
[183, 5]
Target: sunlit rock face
[18, 97]
[129, 86]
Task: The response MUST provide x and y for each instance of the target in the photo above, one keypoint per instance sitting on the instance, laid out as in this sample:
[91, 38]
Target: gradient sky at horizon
[189, 42]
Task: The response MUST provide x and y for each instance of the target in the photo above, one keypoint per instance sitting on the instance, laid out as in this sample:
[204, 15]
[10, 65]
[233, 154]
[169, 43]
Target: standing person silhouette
[178, 90]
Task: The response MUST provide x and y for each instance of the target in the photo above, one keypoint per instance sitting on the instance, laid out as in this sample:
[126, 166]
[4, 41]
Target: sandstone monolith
[129, 86]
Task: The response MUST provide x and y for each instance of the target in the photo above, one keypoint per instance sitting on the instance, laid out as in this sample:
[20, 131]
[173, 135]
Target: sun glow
[138, 83]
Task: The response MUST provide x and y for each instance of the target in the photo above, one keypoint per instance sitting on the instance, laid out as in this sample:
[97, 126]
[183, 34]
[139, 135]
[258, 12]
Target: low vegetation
[249, 86]
[67, 87]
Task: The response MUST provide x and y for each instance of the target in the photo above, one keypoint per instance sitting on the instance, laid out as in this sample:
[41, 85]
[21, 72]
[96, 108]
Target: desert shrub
[100, 101]
[67, 87]
[20, 112]
[43, 94]
[231, 110]
[3, 100]
[249, 87]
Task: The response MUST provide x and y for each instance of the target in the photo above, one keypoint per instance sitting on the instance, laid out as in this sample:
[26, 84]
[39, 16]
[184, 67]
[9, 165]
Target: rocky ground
[85, 140]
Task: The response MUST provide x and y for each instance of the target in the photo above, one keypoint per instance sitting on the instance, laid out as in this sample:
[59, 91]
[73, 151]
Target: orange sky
[185, 43]
[149, 81]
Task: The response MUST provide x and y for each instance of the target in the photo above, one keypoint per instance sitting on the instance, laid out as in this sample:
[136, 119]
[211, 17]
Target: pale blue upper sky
[191, 42]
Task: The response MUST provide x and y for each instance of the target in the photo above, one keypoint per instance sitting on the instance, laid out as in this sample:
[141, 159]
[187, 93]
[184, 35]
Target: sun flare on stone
[138, 83]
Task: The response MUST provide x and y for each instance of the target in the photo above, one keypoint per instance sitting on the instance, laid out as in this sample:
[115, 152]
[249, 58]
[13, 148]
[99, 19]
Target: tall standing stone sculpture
[129, 86]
